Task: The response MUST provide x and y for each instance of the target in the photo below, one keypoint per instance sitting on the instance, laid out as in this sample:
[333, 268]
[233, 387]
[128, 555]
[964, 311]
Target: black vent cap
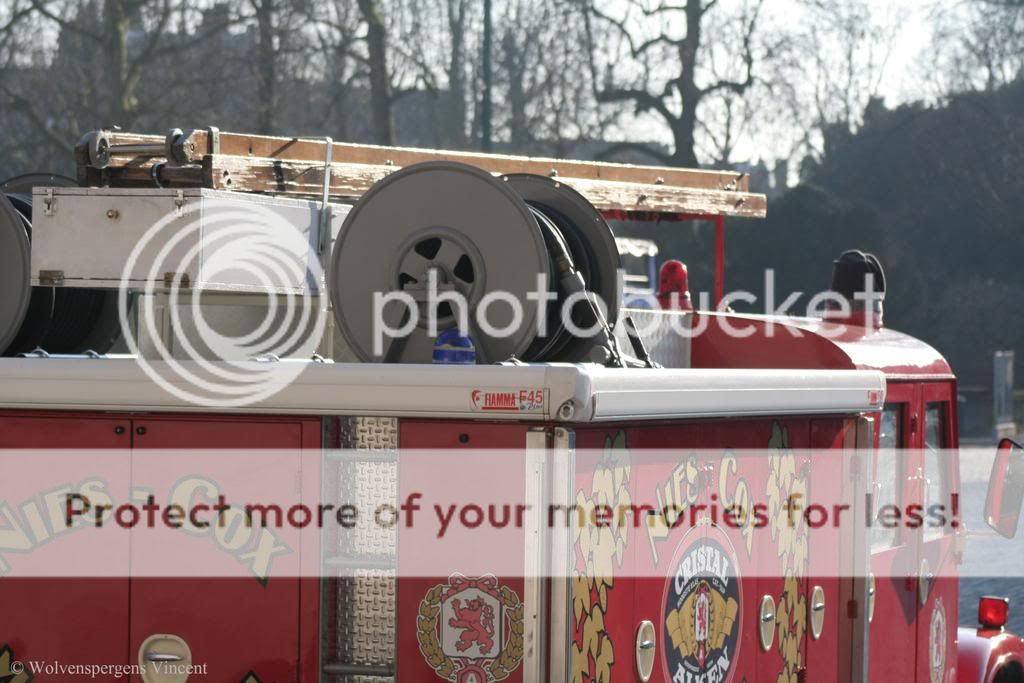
[850, 273]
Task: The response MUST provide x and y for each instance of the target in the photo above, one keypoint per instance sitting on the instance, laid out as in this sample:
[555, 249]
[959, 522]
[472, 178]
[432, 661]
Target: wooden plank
[295, 149]
[304, 149]
[351, 180]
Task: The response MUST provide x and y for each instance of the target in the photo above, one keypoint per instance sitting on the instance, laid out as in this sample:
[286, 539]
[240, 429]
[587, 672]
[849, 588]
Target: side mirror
[1005, 489]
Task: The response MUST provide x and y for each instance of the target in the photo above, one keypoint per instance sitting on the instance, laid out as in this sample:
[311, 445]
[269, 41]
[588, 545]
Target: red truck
[793, 411]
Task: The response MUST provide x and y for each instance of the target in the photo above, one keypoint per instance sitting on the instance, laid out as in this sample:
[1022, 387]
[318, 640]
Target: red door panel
[894, 549]
[936, 625]
[460, 599]
[831, 442]
[777, 470]
[70, 620]
[233, 626]
[665, 474]
[707, 623]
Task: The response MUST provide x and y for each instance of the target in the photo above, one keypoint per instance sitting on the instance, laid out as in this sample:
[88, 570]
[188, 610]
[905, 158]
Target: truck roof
[562, 392]
[792, 342]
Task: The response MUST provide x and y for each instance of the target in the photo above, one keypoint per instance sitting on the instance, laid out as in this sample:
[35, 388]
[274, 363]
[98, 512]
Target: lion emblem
[475, 620]
[470, 629]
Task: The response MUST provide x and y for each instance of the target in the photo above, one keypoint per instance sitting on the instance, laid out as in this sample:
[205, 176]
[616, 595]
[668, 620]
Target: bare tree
[662, 71]
[35, 132]
[976, 45]
[380, 75]
[829, 65]
[334, 27]
[266, 63]
[546, 101]
[107, 34]
[454, 114]
[436, 50]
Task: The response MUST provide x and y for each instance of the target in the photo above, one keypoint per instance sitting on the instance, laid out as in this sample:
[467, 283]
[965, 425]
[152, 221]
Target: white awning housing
[541, 392]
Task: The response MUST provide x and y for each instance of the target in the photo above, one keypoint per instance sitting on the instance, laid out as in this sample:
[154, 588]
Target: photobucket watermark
[396, 314]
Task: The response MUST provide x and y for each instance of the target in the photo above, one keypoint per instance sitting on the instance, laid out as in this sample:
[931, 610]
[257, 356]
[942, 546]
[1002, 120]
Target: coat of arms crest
[470, 630]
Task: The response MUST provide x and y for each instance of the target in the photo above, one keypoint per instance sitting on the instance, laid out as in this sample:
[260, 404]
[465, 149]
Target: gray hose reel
[475, 234]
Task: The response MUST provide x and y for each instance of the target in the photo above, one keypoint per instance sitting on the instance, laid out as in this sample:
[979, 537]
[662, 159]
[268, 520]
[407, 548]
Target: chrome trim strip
[535, 554]
[854, 554]
[563, 474]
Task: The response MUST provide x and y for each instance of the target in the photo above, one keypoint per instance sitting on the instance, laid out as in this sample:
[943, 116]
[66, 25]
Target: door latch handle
[161, 657]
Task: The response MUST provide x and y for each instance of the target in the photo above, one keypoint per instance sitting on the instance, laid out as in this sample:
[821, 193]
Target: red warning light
[674, 286]
[993, 612]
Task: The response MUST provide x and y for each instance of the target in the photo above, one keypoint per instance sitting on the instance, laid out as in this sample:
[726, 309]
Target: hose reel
[497, 244]
[57, 319]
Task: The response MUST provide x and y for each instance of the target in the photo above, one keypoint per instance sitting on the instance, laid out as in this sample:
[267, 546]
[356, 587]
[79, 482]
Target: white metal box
[205, 240]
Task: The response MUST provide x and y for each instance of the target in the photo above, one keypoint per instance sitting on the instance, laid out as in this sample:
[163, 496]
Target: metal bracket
[51, 278]
[170, 140]
[172, 279]
[179, 203]
[213, 140]
[183, 147]
[325, 210]
[49, 203]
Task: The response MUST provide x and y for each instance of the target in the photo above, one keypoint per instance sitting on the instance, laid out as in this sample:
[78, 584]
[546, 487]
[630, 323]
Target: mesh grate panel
[359, 600]
[365, 620]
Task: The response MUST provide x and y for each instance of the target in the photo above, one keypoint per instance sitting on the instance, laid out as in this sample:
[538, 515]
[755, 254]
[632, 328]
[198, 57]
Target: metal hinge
[179, 203]
[49, 203]
[171, 279]
[51, 278]
[213, 140]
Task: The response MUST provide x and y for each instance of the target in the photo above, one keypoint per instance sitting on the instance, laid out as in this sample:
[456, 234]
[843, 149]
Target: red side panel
[45, 620]
[691, 470]
[465, 618]
[831, 440]
[234, 626]
[266, 624]
[894, 551]
[939, 607]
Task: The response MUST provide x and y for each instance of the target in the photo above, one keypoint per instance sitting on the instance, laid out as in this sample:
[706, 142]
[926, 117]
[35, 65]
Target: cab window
[888, 472]
[936, 465]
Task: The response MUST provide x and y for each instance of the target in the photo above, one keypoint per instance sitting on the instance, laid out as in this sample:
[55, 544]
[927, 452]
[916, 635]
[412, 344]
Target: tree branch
[64, 23]
[644, 100]
[22, 104]
[739, 87]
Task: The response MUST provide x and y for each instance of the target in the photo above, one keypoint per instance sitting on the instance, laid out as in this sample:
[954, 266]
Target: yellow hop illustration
[7, 660]
[601, 549]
